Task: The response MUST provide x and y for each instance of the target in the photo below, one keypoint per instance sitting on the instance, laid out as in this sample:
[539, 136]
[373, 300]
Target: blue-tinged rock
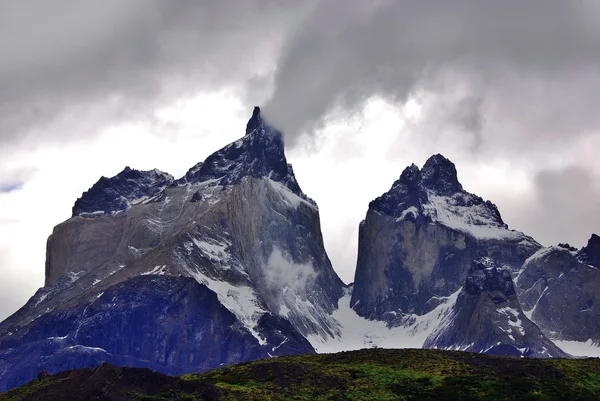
[169, 324]
[590, 254]
[487, 318]
[260, 153]
[406, 192]
[487, 275]
[418, 240]
[439, 174]
[560, 289]
[119, 193]
[189, 176]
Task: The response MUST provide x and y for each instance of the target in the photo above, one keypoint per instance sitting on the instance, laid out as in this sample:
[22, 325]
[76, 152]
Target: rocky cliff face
[416, 273]
[487, 318]
[237, 224]
[418, 240]
[561, 293]
[165, 323]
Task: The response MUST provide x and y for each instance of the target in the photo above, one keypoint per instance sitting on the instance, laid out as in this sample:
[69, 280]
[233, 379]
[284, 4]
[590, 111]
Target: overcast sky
[508, 90]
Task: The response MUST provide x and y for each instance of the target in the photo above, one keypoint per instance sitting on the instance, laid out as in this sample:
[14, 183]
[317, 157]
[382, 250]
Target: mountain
[418, 240]
[436, 266]
[373, 374]
[487, 318]
[590, 254]
[559, 288]
[223, 265]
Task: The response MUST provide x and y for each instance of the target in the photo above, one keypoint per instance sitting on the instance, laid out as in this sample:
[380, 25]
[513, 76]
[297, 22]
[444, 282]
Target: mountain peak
[434, 194]
[259, 153]
[255, 121]
[411, 176]
[439, 174]
[119, 193]
[590, 253]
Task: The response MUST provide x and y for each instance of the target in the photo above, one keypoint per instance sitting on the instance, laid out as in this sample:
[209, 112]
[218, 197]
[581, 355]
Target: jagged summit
[439, 175]
[435, 194]
[418, 240]
[119, 193]
[255, 121]
[260, 153]
[410, 177]
[590, 254]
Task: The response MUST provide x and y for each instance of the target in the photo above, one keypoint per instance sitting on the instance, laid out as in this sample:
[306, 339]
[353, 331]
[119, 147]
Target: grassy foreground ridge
[374, 374]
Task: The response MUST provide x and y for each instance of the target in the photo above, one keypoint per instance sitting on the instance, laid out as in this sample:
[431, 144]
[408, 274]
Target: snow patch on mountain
[216, 251]
[458, 212]
[529, 313]
[513, 319]
[587, 348]
[159, 270]
[541, 254]
[289, 197]
[412, 211]
[241, 300]
[357, 332]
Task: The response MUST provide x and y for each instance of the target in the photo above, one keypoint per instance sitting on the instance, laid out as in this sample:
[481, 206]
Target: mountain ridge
[236, 234]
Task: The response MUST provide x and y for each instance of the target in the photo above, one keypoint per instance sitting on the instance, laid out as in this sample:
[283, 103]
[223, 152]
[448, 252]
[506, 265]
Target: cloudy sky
[510, 91]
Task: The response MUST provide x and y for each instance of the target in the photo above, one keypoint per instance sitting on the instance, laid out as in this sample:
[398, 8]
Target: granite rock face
[561, 293]
[419, 239]
[487, 318]
[415, 271]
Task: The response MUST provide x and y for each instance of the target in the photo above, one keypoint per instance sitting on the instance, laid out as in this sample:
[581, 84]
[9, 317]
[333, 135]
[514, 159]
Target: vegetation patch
[375, 374]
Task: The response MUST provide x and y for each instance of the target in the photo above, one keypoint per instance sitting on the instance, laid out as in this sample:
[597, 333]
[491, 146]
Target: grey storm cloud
[509, 116]
[81, 62]
[346, 53]
[507, 80]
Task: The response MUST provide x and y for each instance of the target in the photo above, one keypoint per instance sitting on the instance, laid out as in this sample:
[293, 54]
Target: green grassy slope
[376, 374]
